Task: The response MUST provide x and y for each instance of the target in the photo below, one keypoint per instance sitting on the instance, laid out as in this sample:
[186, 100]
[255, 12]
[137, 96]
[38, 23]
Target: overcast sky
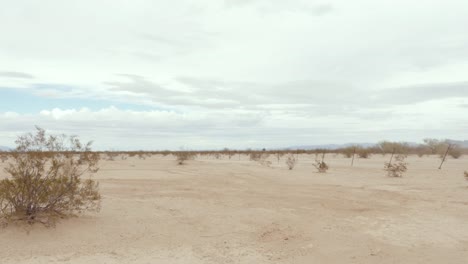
[206, 74]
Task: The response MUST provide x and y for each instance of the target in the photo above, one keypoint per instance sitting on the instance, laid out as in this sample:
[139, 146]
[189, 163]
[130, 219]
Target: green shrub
[45, 179]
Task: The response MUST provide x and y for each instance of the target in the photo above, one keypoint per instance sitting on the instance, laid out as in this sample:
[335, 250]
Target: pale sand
[237, 211]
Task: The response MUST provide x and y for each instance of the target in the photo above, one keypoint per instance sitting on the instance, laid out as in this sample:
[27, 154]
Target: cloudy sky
[208, 74]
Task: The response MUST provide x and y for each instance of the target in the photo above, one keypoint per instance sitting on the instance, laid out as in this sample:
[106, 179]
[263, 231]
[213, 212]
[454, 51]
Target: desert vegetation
[46, 172]
[260, 157]
[320, 164]
[183, 156]
[397, 166]
[46, 179]
[291, 161]
[388, 147]
[157, 199]
[3, 157]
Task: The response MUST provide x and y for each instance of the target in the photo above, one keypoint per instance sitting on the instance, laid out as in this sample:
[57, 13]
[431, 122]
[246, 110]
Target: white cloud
[113, 128]
[272, 71]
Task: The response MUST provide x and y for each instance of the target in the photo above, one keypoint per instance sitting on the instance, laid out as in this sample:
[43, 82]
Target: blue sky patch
[23, 102]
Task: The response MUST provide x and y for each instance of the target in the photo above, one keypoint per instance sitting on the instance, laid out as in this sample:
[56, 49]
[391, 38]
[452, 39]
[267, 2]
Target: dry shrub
[141, 155]
[291, 161]
[112, 155]
[436, 146]
[363, 153]
[260, 157]
[348, 151]
[398, 168]
[279, 155]
[455, 152]
[387, 147]
[3, 157]
[321, 166]
[45, 180]
[183, 156]
[466, 175]
[228, 152]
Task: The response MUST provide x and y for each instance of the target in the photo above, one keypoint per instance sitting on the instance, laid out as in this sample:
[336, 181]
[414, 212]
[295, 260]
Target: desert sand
[238, 211]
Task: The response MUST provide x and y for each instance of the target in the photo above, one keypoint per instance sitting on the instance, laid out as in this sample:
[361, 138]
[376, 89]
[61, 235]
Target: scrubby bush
[435, 146]
[45, 180]
[397, 168]
[363, 153]
[455, 152]
[321, 166]
[183, 156]
[3, 157]
[387, 147]
[229, 153]
[348, 152]
[112, 155]
[260, 157]
[279, 155]
[466, 175]
[291, 161]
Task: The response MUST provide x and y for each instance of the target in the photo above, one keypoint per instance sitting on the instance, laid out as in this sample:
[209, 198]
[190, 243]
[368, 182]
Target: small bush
[46, 182]
[398, 168]
[279, 155]
[388, 147]
[466, 175]
[112, 155]
[363, 153]
[321, 166]
[260, 157]
[183, 156]
[291, 161]
[455, 152]
[3, 157]
[348, 152]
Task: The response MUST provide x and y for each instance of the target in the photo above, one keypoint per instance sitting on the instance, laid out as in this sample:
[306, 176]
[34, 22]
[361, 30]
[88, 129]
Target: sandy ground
[238, 211]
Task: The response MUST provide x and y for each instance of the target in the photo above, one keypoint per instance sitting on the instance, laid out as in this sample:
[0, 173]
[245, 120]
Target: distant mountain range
[332, 146]
[461, 143]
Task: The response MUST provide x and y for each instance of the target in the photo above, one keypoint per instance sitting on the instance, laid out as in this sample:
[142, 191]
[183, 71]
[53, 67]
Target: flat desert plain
[238, 211]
